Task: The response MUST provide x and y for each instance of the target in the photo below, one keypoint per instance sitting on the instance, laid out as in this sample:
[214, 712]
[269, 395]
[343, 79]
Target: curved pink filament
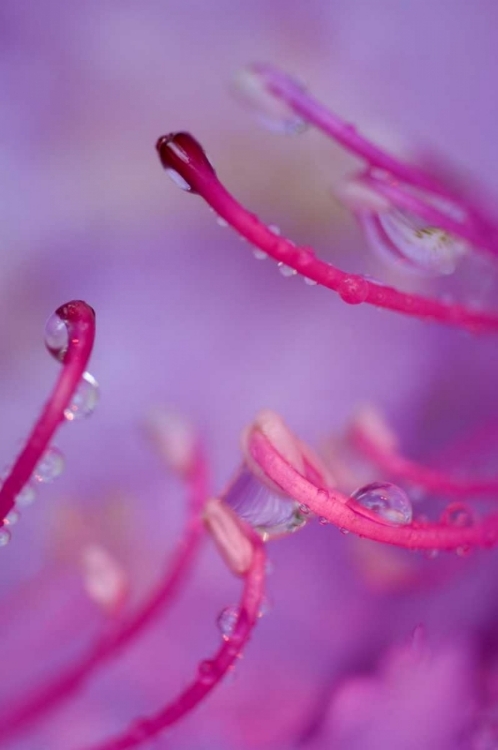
[434, 480]
[17, 717]
[314, 112]
[477, 228]
[146, 729]
[80, 321]
[333, 506]
[352, 288]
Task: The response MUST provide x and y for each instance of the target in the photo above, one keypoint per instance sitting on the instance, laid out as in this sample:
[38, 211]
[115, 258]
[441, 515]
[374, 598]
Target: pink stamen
[434, 480]
[474, 226]
[79, 319]
[352, 288]
[18, 717]
[334, 506]
[211, 671]
[228, 534]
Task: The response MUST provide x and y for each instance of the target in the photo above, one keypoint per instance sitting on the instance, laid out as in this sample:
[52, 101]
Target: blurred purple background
[187, 317]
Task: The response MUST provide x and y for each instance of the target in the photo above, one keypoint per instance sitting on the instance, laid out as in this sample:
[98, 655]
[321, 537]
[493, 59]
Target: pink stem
[45, 698]
[80, 321]
[211, 671]
[476, 228]
[185, 156]
[284, 87]
[333, 506]
[433, 480]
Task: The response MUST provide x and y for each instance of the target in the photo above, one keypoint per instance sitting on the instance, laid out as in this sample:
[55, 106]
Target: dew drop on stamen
[404, 240]
[270, 513]
[265, 607]
[383, 502]
[277, 116]
[12, 517]
[84, 400]
[178, 180]
[353, 290]
[310, 282]
[50, 466]
[286, 271]
[5, 536]
[221, 222]
[227, 620]
[207, 672]
[259, 254]
[457, 514]
[56, 336]
[26, 496]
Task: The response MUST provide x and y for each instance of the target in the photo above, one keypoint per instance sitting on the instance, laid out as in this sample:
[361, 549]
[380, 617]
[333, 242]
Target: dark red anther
[181, 154]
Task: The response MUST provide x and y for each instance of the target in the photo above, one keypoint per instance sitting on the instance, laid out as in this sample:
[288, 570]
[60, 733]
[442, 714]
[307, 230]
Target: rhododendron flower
[255, 504]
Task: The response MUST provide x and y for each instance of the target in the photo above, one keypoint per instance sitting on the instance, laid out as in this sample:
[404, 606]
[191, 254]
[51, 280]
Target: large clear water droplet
[267, 511]
[252, 91]
[50, 466]
[84, 400]
[227, 620]
[406, 240]
[383, 502]
[429, 248]
[56, 336]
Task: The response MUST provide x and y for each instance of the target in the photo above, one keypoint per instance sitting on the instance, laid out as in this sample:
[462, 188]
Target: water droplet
[408, 241]
[56, 336]
[274, 229]
[181, 154]
[207, 672]
[221, 221]
[259, 254]
[84, 400]
[12, 517]
[227, 620]
[5, 536]
[265, 607]
[271, 111]
[27, 496]
[286, 271]
[383, 502]
[50, 466]
[262, 507]
[178, 180]
[457, 514]
[353, 290]
[323, 521]
[304, 509]
[463, 550]
[431, 554]
[344, 531]
[310, 282]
